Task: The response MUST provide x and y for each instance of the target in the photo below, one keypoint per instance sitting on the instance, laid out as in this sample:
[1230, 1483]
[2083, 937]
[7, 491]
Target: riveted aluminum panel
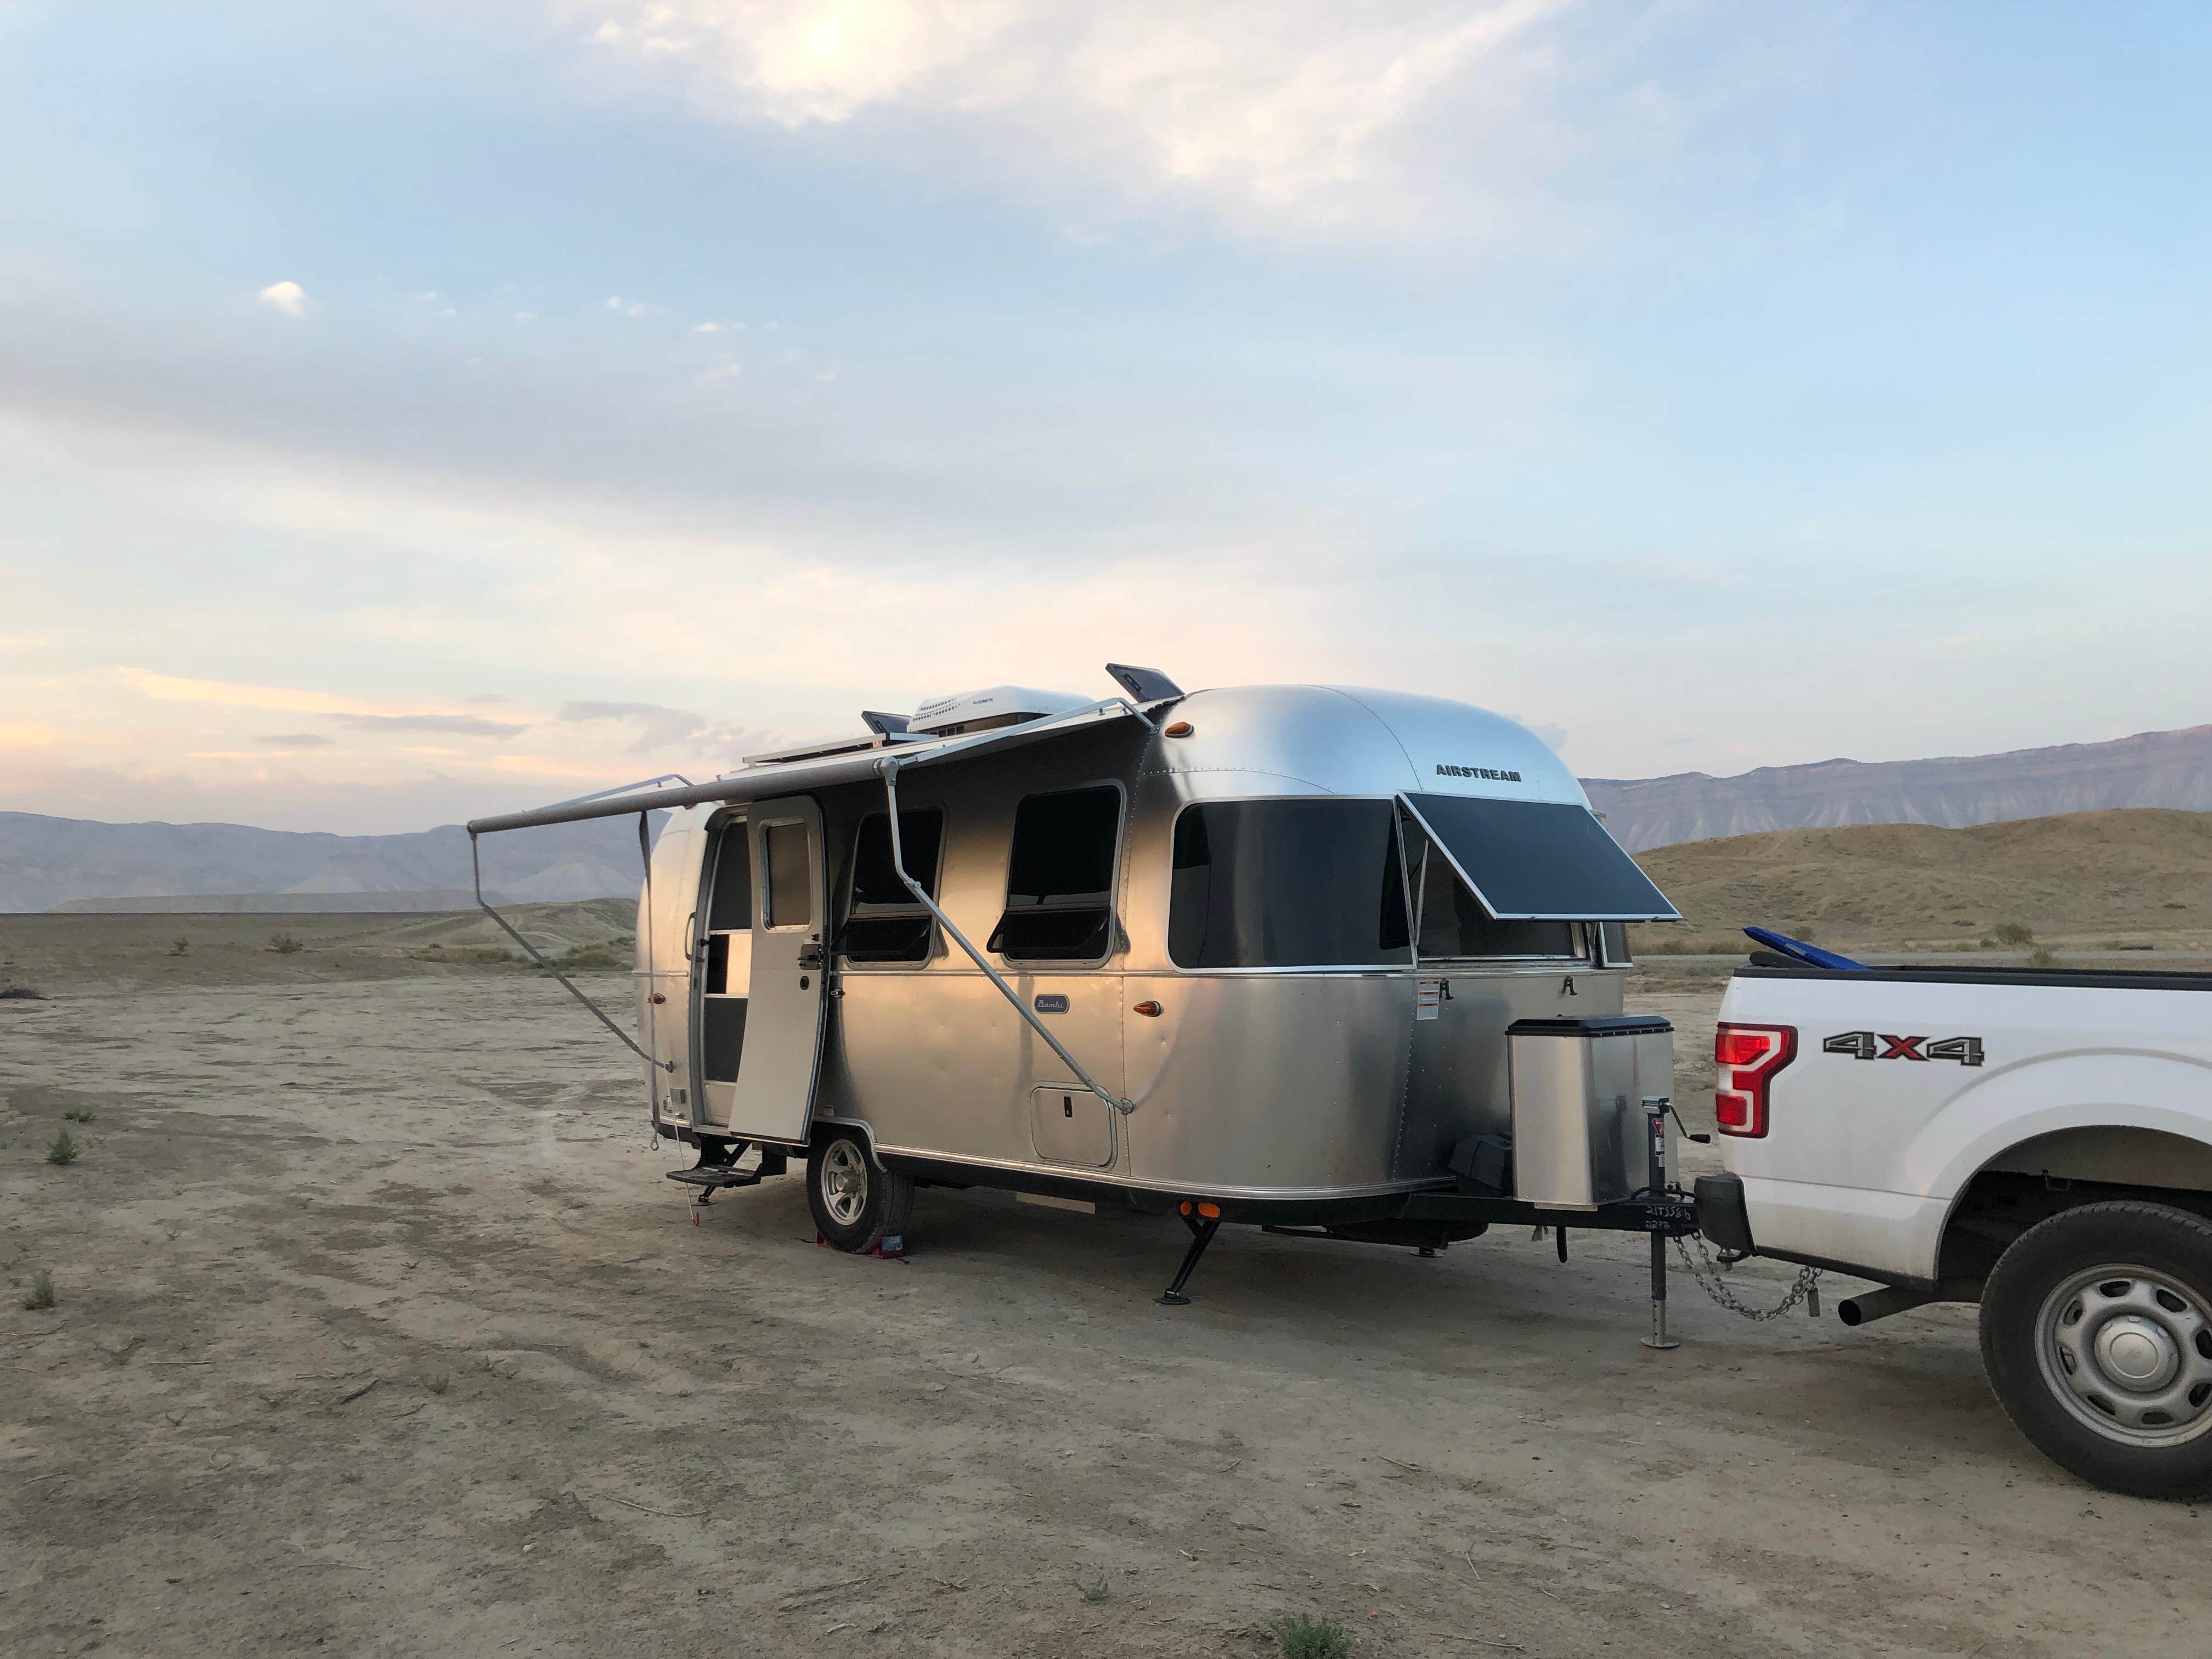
[938, 1063]
[1249, 1082]
[1459, 1085]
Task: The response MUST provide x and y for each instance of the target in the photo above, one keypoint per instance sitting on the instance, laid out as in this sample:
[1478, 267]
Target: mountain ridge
[48, 861]
[2148, 769]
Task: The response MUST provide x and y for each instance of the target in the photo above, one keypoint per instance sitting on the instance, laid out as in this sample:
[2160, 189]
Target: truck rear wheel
[857, 1203]
[2097, 1332]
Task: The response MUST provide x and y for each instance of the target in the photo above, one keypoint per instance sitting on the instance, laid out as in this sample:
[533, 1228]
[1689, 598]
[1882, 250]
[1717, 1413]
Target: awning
[798, 777]
[1539, 861]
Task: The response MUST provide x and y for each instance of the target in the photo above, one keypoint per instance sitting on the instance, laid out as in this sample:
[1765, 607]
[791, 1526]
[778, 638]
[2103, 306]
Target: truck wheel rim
[844, 1182]
[2128, 1351]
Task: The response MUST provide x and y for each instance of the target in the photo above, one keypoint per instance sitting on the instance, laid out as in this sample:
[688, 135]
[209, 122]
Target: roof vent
[991, 708]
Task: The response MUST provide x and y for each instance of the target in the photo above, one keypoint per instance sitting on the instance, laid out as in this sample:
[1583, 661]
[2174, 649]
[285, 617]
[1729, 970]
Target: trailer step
[715, 1180]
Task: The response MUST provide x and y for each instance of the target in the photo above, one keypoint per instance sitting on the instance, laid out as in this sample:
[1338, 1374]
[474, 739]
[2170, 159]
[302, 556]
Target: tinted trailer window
[883, 920]
[1059, 877]
[1288, 884]
[1455, 926]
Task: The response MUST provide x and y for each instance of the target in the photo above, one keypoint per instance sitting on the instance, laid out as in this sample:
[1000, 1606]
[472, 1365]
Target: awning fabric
[772, 779]
[1539, 861]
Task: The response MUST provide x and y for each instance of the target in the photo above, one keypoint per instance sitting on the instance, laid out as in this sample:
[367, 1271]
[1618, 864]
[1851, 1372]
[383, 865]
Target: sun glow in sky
[409, 412]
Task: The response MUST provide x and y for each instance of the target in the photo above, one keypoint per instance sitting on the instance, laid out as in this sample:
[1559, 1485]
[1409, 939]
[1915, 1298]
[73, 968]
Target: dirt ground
[378, 1330]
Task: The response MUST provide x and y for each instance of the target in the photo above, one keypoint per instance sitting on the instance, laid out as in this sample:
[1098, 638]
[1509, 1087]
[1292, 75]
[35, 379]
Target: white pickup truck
[2037, 1141]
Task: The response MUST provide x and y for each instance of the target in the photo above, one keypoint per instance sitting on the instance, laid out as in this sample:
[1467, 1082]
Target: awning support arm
[476, 869]
[889, 768]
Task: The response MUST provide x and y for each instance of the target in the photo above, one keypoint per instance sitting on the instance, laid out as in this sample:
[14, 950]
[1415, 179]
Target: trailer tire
[857, 1203]
[2096, 1330]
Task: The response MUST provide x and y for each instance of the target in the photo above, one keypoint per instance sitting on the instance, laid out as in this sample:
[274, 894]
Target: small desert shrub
[41, 1293]
[2009, 936]
[475, 955]
[1300, 1637]
[284, 944]
[180, 947]
[21, 994]
[2043, 957]
[1092, 1592]
[78, 1115]
[594, 956]
[438, 1384]
[62, 1149]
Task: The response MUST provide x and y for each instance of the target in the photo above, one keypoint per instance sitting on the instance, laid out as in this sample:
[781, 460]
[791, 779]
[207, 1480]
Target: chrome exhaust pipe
[1879, 1304]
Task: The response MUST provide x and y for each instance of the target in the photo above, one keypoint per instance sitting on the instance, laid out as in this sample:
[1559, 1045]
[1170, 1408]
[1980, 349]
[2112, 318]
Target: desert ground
[378, 1330]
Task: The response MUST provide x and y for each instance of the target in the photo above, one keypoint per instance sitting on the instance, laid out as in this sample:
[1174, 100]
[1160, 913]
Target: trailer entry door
[782, 1053]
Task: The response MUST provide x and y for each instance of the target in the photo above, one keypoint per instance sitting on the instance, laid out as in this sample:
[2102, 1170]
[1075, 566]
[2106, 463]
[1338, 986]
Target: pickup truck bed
[2000, 1135]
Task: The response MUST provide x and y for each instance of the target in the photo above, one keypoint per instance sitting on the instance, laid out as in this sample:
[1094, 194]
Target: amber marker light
[1149, 1010]
[1180, 729]
[1210, 1212]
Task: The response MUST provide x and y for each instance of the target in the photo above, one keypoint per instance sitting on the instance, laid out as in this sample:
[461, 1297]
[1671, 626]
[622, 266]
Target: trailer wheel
[2097, 1332]
[857, 1203]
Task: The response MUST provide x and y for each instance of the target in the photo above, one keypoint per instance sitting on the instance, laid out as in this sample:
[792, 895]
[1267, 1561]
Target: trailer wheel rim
[844, 1182]
[2128, 1351]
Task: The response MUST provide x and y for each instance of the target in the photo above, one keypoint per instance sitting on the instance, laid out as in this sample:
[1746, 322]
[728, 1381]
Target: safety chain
[1707, 1272]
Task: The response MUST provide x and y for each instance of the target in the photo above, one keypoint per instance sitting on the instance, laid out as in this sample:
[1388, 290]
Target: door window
[788, 851]
[883, 920]
[1059, 877]
[730, 908]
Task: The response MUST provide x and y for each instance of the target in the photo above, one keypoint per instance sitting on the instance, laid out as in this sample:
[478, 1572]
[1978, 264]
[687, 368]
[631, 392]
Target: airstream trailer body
[1256, 949]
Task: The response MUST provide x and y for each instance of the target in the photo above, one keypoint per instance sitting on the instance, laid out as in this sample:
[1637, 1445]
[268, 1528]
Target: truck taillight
[1746, 1058]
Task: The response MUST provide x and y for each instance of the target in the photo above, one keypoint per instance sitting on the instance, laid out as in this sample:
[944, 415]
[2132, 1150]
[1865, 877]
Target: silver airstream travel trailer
[1248, 954]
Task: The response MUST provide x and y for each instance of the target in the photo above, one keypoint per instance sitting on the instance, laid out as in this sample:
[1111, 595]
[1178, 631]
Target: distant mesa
[49, 863]
[2154, 768]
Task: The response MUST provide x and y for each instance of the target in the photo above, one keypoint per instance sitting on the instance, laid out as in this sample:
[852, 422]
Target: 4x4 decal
[1879, 1045]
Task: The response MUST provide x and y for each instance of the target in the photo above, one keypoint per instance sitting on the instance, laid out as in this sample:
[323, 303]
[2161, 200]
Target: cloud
[355, 713]
[627, 308]
[168, 688]
[288, 297]
[658, 727]
[706, 328]
[1294, 108]
[297, 740]
[465, 726]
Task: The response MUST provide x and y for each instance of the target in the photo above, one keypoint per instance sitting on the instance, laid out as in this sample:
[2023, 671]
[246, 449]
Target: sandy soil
[379, 1331]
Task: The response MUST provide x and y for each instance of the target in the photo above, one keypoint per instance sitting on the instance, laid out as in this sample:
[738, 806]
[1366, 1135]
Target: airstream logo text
[1445, 769]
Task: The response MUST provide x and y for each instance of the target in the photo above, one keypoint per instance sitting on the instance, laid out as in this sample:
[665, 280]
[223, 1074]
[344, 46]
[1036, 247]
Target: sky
[409, 412]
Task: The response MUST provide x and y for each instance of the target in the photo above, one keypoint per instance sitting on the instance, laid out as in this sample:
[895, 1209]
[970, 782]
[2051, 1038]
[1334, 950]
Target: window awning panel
[1539, 861]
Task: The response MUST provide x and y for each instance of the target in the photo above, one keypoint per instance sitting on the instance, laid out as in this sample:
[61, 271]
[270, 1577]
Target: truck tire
[857, 1203]
[2096, 1333]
